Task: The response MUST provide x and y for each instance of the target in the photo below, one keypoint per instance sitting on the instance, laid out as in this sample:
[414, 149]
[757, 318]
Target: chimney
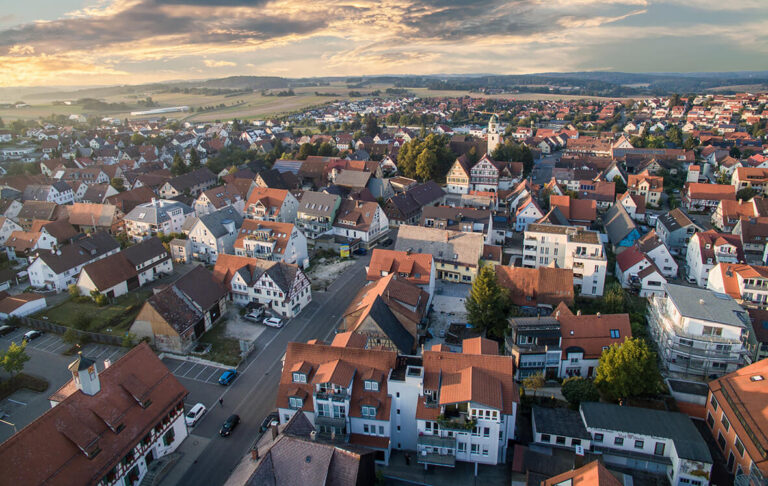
[598, 315]
[313, 435]
[274, 432]
[107, 363]
[578, 312]
[255, 454]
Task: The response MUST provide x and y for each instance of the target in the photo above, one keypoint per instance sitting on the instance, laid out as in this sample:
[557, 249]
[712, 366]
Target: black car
[30, 335]
[5, 329]
[271, 419]
[386, 242]
[229, 425]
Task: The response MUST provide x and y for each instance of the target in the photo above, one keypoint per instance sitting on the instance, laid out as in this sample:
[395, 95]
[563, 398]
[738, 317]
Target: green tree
[735, 152]
[621, 186]
[614, 299]
[138, 139]
[128, 341]
[746, 194]
[628, 370]
[14, 358]
[425, 164]
[71, 337]
[194, 160]
[487, 304]
[178, 167]
[306, 150]
[117, 183]
[73, 290]
[371, 126]
[534, 382]
[325, 149]
[577, 389]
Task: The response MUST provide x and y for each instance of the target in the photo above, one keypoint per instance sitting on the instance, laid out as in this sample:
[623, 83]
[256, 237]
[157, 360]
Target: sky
[107, 42]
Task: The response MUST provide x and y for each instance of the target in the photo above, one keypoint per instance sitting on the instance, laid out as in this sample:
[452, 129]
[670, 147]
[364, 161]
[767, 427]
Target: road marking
[16, 401]
[181, 363]
[190, 370]
[211, 375]
[116, 351]
[201, 372]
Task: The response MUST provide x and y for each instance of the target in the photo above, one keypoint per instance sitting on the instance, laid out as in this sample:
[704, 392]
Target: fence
[93, 337]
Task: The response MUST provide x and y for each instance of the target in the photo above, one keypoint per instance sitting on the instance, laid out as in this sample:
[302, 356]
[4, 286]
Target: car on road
[227, 377]
[255, 315]
[273, 322]
[194, 414]
[360, 251]
[30, 335]
[387, 242]
[270, 420]
[6, 329]
[229, 425]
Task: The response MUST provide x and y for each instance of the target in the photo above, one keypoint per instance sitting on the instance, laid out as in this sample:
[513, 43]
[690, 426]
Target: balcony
[339, 422]
[333, 437]
[460, 421]
[530, 248]
[336, 396]
[436, 441]
[665, 323]
[436, 459]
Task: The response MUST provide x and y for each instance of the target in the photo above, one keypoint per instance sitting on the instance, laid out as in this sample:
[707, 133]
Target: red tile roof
[536, 286]
[592, 474]
[413, 267]
[592, 332]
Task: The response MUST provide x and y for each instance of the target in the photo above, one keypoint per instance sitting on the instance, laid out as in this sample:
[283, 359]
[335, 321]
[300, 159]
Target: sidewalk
[190, 450]
[463, 474]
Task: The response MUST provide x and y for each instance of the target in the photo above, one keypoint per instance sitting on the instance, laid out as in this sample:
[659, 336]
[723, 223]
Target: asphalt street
[252, 394]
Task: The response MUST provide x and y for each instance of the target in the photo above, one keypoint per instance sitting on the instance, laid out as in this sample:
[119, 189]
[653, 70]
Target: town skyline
[84, 43]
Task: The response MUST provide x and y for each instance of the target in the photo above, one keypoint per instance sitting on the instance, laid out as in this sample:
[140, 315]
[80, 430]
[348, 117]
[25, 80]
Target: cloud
[211, 63]
[21, 50]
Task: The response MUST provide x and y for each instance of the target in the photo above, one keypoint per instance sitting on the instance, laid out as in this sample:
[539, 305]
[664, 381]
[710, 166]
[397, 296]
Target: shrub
[82, 321]
[577, 389]
[73, 290]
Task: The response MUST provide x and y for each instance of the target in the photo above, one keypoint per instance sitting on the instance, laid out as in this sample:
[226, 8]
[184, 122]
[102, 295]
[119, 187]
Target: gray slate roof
[318, 204]
[389, 324]
[560, 421]
[156, 213]
[618, 223]
[674, 220]
[706, 305]
[689, 444]
[80, 252]
[214, 221]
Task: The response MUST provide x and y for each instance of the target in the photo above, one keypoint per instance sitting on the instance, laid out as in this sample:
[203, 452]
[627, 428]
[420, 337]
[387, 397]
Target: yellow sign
[344, 251]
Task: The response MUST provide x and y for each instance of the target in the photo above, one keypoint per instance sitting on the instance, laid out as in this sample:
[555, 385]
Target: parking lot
[194, 371]
[52, 343]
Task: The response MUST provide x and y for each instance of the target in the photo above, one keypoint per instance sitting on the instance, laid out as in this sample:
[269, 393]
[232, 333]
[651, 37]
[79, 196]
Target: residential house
[192, 183]
[646, 185]
[58, 192]
[415, 268]
[706, 197]
[708, 248]
[456, 254]
[636, 271]
[361, 220]
[218, 198]
[593, 473]
[56, 270]
[212, 234]
[177, 315]
[23, 245]
[158, 216]
[97, 194]
[579, 212]
[568, 247]
[753, 233]
[458, 219]
[538, 290]
[528, 211]
[7, 226]
[620, 227]
[736, 417]
[21, 305]
[655, 249]
[88, 217]
[127, 270]
[127, 200]
[728, 212]
[676, 230]
[458, 177]
[406, 207]
[267, 204]
[750, 177]
[267, 240]
[279, 286]
[316, 213]
[38, 210]
[746, 284]
[105, 426]
[699, 333]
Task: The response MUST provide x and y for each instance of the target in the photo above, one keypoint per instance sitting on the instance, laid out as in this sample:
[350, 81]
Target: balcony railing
[436, 459]
[338, 396]
[460, 421]
[665, 322]
[436, 441]
[339, 422]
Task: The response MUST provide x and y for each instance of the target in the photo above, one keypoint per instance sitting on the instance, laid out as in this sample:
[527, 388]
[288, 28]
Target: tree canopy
[578, 389]
[628, 370]
[487, 305]
[413, 163]
[14, 358]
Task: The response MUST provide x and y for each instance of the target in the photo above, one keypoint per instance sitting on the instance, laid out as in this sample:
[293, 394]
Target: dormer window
[371, 385]
[299, 378]
[369, 411]
[295, 402]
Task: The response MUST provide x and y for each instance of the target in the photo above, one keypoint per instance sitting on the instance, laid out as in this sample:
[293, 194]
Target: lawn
[224, 350]
[115, 318]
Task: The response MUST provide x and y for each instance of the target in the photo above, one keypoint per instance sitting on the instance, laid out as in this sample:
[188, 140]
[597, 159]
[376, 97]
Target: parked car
[273, 322]
[30, 335]
[227, 377]
[229, 425]
[360, 251]
[387, 242]
[255, 315]
[194, 414]
[270, 420]
[7, 329]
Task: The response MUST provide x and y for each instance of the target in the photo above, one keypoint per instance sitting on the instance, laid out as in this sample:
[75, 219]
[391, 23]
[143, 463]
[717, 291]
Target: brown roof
[10, 303]
[60, 229]
[278, 232]
[413, 267]
[127, 200]
[479, 345]
[110, 271]
[536, 286]
[85, 214]
[592, 332]
[592, 474]
[80, 422]
[710, 192]
[357, 215]
[575, 209]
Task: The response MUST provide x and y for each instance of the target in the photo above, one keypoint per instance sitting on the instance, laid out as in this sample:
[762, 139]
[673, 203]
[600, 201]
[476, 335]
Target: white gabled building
[212, 234]
[158, 216]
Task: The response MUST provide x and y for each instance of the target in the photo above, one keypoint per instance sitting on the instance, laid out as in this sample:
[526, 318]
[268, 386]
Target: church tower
[494, 137]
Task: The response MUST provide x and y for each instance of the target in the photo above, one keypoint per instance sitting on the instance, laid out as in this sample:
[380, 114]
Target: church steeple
[494, 137]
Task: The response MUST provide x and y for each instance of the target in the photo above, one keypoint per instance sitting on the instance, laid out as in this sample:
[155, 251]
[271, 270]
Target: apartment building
[268, 204]
[455, 254]
[699, 333]
[747, 284]
[750, 177]
[709, 248]
[675, 229]
[646, 185]
[363, 220]
[316, 213]
[737, 418]
[267, 240]
[212, 234]
[158, 216]
[106, 425]
[568, 247]
[447, 406]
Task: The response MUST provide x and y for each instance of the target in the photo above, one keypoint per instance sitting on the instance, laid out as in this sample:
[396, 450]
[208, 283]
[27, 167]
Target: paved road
[252, 395]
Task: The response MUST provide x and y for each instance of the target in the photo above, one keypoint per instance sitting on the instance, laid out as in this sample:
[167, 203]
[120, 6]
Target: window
[485, 450]
[462, 447]
[295, 402]
[476, 431]
[366, 430]
[710, 420]
[713, 402]
[618, 441]
[169, 437]
[739, 446]
[369, 411]
[545, 438]
[381, 430]
[560, 440]
[486, 432]
[726, 423]
[371, 385]
[639, 444]
[299, 378]
[473, 449]
[711, 331]
[659, 449]
[575, 442]
[598, 438]
[614, 334]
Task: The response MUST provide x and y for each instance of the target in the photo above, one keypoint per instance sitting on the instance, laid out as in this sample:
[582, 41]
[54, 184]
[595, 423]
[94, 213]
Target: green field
[115, 318]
